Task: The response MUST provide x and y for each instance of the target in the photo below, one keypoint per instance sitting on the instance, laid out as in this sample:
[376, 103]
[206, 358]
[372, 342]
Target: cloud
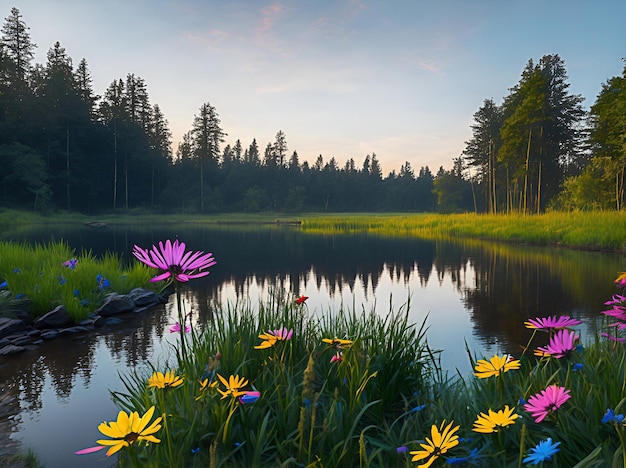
[428, 65]
[209, 40]
[269, 16]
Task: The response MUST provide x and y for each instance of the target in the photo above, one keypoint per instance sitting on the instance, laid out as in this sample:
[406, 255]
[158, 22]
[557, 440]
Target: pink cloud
[269, 15]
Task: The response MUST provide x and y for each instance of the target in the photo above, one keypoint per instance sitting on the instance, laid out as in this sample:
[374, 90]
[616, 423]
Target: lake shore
[594, 230]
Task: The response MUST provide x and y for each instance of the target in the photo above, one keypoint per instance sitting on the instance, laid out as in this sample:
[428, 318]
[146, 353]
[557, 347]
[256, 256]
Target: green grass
[385, 393]
[36, 274]
[604, 230]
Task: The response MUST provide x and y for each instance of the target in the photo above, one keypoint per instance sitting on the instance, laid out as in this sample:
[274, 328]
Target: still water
[471, 293]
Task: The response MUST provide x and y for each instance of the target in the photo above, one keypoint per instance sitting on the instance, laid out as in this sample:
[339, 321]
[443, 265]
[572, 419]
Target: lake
[468, 293]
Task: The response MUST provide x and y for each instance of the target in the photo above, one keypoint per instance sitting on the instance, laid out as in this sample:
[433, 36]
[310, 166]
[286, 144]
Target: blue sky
[341, 78]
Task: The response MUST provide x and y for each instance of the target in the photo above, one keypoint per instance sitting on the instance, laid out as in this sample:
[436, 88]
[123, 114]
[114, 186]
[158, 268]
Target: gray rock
[4, 342]
[72, 330]
[49, 334]
[116, 304]
[56, 318]
[143, 298]
[21, 340]
[10, 326]
[11, 350]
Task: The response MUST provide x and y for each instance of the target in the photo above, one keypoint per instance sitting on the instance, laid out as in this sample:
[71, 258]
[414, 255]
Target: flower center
[131, 437]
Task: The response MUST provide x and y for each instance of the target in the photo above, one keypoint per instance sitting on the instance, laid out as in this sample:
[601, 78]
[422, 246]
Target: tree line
[62, 146]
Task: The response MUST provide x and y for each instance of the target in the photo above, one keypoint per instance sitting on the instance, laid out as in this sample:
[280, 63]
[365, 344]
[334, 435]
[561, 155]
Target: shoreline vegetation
[586, 230]
[270, 385]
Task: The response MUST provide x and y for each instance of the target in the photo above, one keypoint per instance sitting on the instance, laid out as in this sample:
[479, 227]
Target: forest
[64, 147]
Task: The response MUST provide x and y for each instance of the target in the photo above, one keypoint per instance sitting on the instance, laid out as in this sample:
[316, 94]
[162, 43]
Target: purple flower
[546, 402]
[561, 343]
[71, 263]
[249, 397]
[552, 323]
[176, 264]
[176, 328]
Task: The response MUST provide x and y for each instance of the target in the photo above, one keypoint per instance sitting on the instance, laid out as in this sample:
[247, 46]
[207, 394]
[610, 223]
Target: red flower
[301, 299]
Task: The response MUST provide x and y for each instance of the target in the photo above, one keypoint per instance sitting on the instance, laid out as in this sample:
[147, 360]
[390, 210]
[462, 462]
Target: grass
[37, 273]
[371, 407]
[593, 230]
[601, 230]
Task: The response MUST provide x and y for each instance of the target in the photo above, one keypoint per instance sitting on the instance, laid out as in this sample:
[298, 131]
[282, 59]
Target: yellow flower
[495, 366]
[441, 440]
[233, 386]
[338, 343]
[493, 422]
[273, 336]
[167, 380]
[204, 386]
[129, 428]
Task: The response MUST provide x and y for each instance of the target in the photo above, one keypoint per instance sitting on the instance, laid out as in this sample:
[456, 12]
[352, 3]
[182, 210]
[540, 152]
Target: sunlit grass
[589, 230]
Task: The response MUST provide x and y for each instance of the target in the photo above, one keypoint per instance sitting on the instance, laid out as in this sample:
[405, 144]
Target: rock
[10, 326]
[116, 304]
[56, 318]
[72, 330]
[49, 334]
[98, 321]
[143, 298]
[11, 350]
[21, 340]
[4, 342]
[113, 321]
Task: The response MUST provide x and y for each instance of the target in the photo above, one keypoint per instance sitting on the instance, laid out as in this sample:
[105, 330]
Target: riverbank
[596, 230]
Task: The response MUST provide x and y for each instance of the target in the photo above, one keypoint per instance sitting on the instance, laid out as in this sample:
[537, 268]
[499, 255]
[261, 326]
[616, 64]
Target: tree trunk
[530, 134]
[67, 166]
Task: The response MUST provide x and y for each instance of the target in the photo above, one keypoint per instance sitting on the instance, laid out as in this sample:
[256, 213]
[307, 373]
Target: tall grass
[373, 406]
[312, 412]
[589, 230]
[37, 273]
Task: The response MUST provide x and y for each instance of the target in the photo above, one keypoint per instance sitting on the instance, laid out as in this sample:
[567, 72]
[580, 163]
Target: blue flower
[542, 452]
[577, 366]
[71, 263]
[472, 458]
[196, 450]
[62, 280]
[17, 270]
[4, 284]
[76, 292]
[103, 283]
[610, 416]
[402, 449]
[418, 408]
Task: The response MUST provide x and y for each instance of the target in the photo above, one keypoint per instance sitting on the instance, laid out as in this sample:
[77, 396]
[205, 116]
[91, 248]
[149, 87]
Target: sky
[341, 78]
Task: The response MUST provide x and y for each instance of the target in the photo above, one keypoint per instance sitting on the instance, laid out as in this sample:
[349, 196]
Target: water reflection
[468, 292]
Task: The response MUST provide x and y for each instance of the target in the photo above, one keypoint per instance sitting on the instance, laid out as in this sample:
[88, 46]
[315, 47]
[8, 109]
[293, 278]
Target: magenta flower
[176, 264]
[176, 328]
[561, 343]
[552, 323]
[336, 357]
[249, 397]
[613, 338]
[546, 402]
[616, 300]
[71, 263]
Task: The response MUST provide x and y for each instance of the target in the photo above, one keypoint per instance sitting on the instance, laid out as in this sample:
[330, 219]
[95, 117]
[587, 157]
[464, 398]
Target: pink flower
[249, 397]
[546, 402]
[616, 300]
[336, 357]
[71, 263]
[274, 336]
[561, 343]
[552, 323]
[613, 338]
[176, 328]
[176, 264]
[620, 281]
